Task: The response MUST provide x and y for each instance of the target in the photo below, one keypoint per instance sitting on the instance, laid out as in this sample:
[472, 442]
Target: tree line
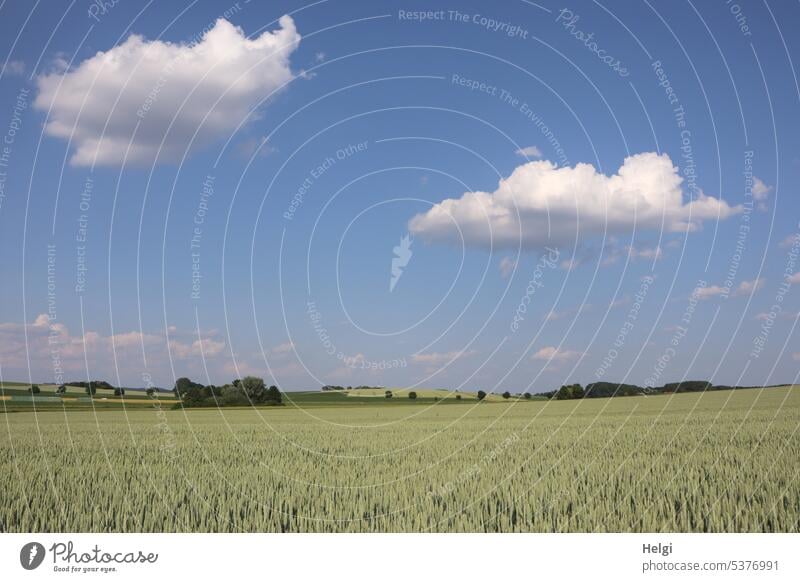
[241, 392]
[612, 389]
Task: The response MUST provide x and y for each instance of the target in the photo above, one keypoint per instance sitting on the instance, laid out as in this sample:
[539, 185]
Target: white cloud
[790, 241]
[553, 354]
[12, 68]
[543, 204]
[709, 292]
[206, 348]
[796, 356]
[506, 267]
[126, 100]
[760, 189]
[749, 287]
[42, 343]
[794, 279]
[530, 152]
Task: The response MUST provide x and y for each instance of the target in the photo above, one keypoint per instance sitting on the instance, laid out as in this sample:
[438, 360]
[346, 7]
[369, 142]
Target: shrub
[506, 395]
[412, 395]
[388, 394]
[481, 394]
[527, 396]
[34, 389]
[458, 396]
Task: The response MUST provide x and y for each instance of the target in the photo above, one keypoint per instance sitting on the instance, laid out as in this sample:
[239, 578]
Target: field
[720, 461]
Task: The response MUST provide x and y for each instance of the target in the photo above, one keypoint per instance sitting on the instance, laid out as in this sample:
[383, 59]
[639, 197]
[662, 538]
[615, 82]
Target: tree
[527, 395]
[506, 395]
[274, 395]
[150, 392]
[91, 389]
[34, 389]
[254, 388]
[412, 395]
[119, 391]
[388, 394]
[458, 396]
[481, 394]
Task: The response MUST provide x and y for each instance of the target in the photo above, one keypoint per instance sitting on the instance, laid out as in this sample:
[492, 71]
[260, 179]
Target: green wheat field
[723, 461]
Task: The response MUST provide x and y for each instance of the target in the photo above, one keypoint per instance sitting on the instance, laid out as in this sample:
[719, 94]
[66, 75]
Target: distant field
[399, 395]
[720, 461]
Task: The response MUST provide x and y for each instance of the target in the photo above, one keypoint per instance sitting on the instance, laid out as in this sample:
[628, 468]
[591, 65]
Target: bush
[91, 389]
[412, 395]
[458, 396]
[34, 389]
[61, 389]
[527, 396]
[506, 395]
[481, 394]
[119, 391]
[150, 392]
[389, 394]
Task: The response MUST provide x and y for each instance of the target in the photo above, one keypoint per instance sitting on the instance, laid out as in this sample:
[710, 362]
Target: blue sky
[590, 192]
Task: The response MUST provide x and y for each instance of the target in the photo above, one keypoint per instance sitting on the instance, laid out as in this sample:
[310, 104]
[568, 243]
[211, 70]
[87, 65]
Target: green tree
[34, 389]
[481, 394]
[527, 395]
[254, 388]
[389, 394]
[412, 395]
[274, 395]
[506, 395]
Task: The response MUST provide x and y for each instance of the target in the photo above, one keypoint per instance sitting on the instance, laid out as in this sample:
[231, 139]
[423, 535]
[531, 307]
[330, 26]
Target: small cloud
[12, 68]
[530, 152]
[760, 192]
[283, 348]
[555, 355]
[507, 267]
[319, 57]
[750, 287]
[796, 356]
[794, 279]
[255, 146]
[704, 293]
[789, 241]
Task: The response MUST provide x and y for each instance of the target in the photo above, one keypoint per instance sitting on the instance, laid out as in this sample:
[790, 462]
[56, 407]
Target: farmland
[719, 461]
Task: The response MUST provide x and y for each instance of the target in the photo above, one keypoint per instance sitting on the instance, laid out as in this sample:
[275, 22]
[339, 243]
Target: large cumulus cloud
[124, 102]
[541, 204]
